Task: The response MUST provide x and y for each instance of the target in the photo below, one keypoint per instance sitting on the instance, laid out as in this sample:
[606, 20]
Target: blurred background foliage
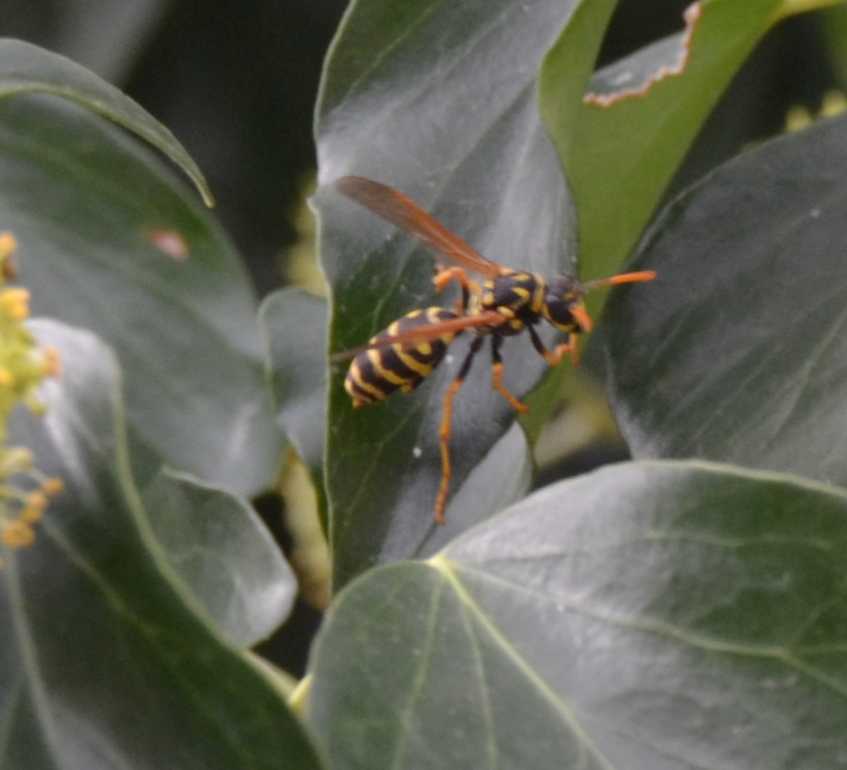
[236, 81]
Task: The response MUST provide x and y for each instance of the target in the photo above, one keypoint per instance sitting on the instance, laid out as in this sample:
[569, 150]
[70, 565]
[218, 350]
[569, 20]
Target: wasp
[506, 303]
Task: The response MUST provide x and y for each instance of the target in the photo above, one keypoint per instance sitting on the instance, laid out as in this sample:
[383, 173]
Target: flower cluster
[24, 490]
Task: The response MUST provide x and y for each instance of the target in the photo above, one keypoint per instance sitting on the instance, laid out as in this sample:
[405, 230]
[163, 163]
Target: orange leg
[445, 275]
[497, 376]
[497, 384]
[555, 356]
[445, 429]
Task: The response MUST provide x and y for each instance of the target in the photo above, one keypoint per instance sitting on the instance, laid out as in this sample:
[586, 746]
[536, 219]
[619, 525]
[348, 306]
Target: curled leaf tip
[621, 84]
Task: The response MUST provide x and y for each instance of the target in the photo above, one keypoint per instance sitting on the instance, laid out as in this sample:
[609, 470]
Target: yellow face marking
[506, 312]
[355, 374]
[382, 372]
[488, 298]
[424, 370]
[521, 292]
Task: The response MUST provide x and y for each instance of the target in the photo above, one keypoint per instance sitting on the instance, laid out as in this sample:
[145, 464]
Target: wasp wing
[427, 332]
[403, 212]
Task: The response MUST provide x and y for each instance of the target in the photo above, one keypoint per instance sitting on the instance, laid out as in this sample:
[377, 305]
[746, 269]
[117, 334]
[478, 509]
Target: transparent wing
[403, 212]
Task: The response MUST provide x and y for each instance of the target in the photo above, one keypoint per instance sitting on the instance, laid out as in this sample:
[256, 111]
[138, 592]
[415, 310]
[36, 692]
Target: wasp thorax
[563, 294]
[513, 289]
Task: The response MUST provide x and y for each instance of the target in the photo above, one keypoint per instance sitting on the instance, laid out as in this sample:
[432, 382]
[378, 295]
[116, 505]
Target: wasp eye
[563, 299]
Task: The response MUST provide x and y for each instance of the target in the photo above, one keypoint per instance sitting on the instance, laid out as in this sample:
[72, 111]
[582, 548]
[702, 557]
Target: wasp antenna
[613, 280]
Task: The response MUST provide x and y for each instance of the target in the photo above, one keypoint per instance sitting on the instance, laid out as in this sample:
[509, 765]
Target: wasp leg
[444, 429]
[497, 376]
[445, 275]
[554, 357]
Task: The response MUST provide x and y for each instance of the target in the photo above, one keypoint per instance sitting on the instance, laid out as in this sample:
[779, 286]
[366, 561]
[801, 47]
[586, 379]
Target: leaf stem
[298, 699]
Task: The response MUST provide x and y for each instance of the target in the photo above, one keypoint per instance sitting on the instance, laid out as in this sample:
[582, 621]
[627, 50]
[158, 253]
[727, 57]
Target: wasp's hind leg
[497, 376]
[554, 357]
[445, 428]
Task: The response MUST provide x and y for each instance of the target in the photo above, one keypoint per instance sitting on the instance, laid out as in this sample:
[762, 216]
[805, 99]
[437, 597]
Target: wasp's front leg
[555, 356]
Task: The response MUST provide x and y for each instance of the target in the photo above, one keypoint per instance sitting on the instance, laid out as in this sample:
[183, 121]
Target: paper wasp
[508, 302]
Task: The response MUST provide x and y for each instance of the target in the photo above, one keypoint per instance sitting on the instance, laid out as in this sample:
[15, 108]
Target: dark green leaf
[224, 555]
[649, 616]
[104, 661]
[622, 146]
[293, 324]
[438, 100]
[738, 352]
[27, 69]
[109, 242]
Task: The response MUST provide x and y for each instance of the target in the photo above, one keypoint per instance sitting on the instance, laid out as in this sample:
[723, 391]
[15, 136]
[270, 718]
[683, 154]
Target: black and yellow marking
[516, 295]
[378, 372]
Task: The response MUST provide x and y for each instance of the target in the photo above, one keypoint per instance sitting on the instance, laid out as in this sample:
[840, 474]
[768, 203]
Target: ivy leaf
[651, 616]
[623, 133]
[109, 242]
[28, 69]
[739, 353]
[105, 661]
[439, 101]
[223, 553]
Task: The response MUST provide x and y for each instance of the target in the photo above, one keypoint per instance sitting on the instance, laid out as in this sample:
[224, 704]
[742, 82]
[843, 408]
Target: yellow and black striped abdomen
[376, 373]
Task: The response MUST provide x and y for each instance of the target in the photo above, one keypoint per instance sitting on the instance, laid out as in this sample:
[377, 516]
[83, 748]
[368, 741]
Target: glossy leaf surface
[28, 69]
[740, 352]
[224, 555]
[105, 663]
[108, 241]
[649, 616]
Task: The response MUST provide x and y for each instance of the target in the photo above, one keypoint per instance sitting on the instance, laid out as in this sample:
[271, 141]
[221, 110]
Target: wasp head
[563, 305]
